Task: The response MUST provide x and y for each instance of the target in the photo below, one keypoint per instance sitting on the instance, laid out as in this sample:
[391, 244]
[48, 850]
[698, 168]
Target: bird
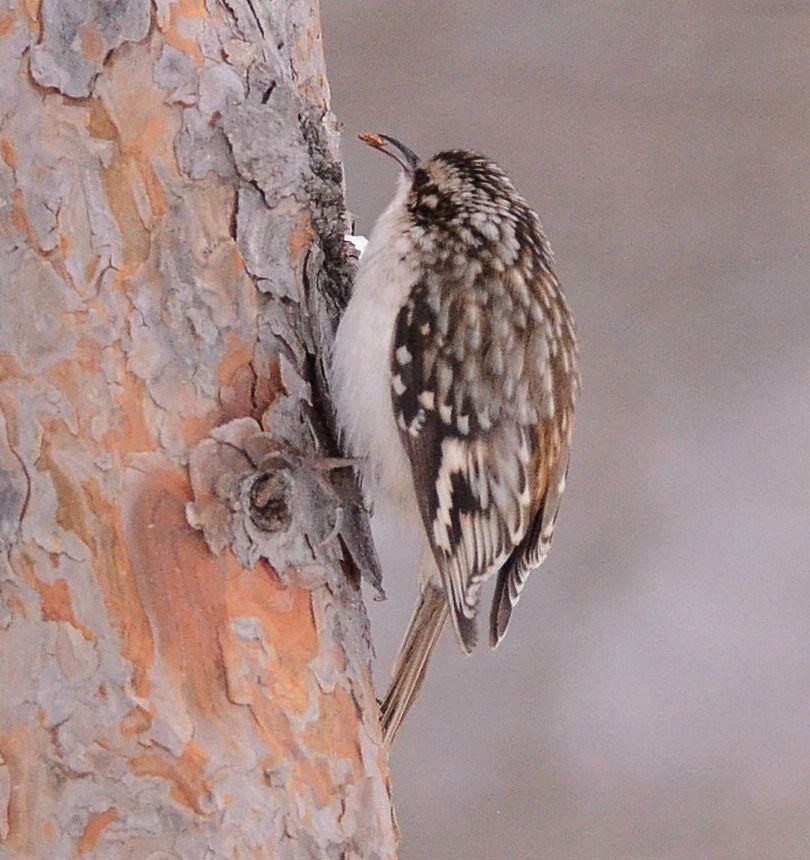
[454, 376]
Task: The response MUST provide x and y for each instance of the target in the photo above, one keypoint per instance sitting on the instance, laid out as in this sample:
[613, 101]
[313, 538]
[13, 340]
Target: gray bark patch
[78, 36]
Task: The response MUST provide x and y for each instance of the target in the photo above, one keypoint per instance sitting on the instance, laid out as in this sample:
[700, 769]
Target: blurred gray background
[653, 697]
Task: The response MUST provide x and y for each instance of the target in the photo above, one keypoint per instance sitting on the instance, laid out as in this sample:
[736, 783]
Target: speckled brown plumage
[482, 369]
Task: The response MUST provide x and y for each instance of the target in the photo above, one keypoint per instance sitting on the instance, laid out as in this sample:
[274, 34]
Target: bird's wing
[529, 554]
[478, 391]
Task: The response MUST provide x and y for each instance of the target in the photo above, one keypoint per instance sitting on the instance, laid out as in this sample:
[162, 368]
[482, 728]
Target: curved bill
[406, 158]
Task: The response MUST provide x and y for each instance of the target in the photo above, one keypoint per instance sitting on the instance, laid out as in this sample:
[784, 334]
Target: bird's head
[460, 198]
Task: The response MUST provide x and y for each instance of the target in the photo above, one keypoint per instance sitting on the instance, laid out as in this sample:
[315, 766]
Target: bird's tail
[422, 635]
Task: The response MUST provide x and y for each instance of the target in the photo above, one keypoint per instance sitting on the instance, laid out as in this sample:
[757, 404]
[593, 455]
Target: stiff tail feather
[426, 625]
[501, 613]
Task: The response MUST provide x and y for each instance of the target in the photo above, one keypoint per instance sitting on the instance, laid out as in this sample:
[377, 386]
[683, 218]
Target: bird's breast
[361, 371]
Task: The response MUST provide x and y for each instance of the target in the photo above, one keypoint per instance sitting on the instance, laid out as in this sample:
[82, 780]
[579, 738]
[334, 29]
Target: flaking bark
[185, 662]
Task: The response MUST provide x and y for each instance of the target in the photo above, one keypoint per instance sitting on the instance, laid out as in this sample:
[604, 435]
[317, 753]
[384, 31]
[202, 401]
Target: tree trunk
[185, 662]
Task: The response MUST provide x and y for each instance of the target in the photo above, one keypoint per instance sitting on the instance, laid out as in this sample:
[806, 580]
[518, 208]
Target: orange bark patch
[194, 428]
[57, 605]
[181, 11]
[90, 268]
[269, 386]
[194, 599]
[144, 129]
[113, 569]
[335, 733]
[9, 406]
[238, 354]
[302, 236]
[32, 10]
[71, 509]
[333, 737]
[71, 374]
[180, 582]
[236, 378]
[135, 723]
[88, 355]
[188, 785]
[307, 42]
[7, 152]
[22, 748]
[7, 20]
[65, 245]
[131, 432]
[192, 8]
[19, 218]
[313, 777]
[98, 121]
[55, 597]
[236, 263]
[274, 729]
[134, 233]
[154, 188]
[284, 612]
[267, 668]
[17, 607]
[92, 44]
[9, 368]
[225, 630]
[86, 510]
[96, 825]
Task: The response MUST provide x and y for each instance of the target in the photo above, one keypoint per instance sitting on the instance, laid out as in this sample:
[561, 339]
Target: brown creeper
[455, 378]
